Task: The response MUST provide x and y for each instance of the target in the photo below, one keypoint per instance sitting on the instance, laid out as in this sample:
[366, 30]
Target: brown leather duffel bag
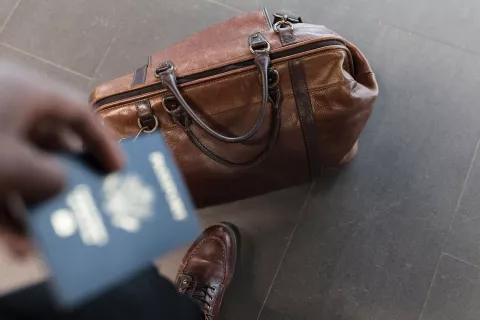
[249, 105]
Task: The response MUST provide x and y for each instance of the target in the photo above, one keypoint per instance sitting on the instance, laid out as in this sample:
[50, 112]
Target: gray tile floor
[396, 235]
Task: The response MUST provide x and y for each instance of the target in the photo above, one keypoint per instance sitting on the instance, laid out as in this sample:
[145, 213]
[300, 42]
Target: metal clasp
[258, 43]
[162, 67]
[144, 129]
[283, 23]
[266, 49]
[177, 114]
[170, 105]
[273, 78]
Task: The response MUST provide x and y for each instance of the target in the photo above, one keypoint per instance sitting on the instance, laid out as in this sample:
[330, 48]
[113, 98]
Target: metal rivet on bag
[145, 128]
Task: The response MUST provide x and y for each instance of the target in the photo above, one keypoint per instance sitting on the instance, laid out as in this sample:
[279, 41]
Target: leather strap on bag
[147, 120]
[140, 75]
[276, 99]
[183, 115]
[305, 114]
[283, 25]
[165, 72]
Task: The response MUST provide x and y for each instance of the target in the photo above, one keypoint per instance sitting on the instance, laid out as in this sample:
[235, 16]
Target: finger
[56, 138]
[20, 246]
[33, 101]
[96, 138]
[13, 213]
[32, 174]
[12, 227]
[99, 141]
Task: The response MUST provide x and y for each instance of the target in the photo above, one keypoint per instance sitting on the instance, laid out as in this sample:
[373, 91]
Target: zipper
[205, 74]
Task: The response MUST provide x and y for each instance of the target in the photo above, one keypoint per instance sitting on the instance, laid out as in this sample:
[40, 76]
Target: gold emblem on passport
[82, 216]
[64, 223]
[127, 200]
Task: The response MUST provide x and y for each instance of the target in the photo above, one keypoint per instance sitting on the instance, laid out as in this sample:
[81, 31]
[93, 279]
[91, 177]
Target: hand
[38, 117]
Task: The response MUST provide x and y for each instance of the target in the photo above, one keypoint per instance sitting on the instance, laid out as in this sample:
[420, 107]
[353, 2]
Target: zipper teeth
[216, 71]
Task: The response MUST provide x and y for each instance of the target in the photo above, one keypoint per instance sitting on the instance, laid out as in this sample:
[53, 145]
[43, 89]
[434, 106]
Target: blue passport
[106, 227]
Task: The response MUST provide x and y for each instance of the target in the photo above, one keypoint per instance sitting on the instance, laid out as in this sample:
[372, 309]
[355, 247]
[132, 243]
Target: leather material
[205, 51]
[140, 75]
[208, 267]
[283, 23]
[339, 82]
[145, 114]
[277, 99]
[257, 41]
[305, 114]
[286, 35]
[262, 60]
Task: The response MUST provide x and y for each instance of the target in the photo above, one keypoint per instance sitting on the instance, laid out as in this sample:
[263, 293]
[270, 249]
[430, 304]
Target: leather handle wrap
[262, 61]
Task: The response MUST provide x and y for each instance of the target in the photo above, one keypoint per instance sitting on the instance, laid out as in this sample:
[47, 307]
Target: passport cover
[104, 228]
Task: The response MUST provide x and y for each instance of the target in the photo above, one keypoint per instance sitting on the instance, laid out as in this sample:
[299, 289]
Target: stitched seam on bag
[307, 141]
[315, 55]
[219, 63]
[316, 89]
[294, 86]
[218, 44]
[309, 110]
[318, 54]
[289, 95]
[200, 69]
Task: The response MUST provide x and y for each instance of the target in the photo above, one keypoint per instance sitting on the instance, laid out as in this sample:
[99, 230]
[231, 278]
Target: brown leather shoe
[208, 267]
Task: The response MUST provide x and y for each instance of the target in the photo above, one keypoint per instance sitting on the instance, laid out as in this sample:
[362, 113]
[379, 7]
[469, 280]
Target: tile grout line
[102, 61]
[225, 6]
[461, 260]
[292, 234]
[457, 207]
[477, 54]
[44, 60]
[104, 58]
[9, 16]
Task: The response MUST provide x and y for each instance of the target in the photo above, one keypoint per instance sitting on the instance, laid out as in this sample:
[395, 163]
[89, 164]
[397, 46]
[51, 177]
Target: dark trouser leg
[147, 296]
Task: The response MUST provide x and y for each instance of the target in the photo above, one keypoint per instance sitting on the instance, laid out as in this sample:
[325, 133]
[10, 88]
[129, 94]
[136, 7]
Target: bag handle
[260, 47]
[183, 115]
[182, 120]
